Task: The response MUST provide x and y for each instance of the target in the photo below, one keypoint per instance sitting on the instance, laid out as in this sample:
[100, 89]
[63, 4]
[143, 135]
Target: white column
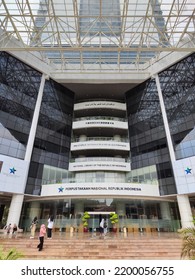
[165, 120]
[17, 199]
[33, 129]
[172, 156]
[185, 211]
[15, 209]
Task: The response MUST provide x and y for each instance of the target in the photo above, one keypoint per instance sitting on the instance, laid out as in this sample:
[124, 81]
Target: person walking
[33, 227]
[50, 227]
[105, 227]
[101, 228]
[42, 233]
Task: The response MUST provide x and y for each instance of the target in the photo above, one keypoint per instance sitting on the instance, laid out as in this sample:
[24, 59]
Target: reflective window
[178, 88]
[147, 136]
[53, 135]
[19, 85]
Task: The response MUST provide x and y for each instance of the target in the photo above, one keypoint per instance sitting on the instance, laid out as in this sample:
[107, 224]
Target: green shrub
[12, 254]
[113, 218]
[85, 218]
[188, 247]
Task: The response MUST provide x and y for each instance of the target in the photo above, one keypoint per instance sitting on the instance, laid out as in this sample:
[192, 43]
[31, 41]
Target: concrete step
[90, 247]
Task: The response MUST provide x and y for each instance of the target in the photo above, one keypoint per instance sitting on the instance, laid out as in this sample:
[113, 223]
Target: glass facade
[178, 89]
[55, 175]
[147, 135]
[146, 129]
[77, 42]
[132, 213]
[100, 16]
[19, 85]
[149, 155]
[100, 23]
[53, 135]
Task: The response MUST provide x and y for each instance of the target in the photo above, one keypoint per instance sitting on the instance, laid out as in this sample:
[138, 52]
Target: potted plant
[85, 218]
[114, 221]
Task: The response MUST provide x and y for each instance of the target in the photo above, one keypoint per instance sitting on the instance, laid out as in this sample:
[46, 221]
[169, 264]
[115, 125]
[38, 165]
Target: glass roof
[94, 35]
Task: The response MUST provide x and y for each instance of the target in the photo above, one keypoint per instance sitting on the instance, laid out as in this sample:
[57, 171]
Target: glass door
[95, 219]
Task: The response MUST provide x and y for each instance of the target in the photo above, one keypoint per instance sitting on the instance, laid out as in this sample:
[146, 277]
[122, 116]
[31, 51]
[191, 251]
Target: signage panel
[108, 189]
[13, 174]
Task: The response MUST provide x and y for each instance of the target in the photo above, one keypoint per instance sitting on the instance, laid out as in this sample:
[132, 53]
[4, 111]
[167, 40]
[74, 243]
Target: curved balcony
[100, 145]
[100, 163]
[100, 105]
[100, 138]
[107, 118]
[102, 122]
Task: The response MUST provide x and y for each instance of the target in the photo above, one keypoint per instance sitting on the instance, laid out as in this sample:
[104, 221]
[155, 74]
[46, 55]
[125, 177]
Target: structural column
[172, 156]
[165, 120]
[15, 209]
[17, 199]
[165, 210]
[34, 209]
[33, 129]
[78, 208]
[185, 211]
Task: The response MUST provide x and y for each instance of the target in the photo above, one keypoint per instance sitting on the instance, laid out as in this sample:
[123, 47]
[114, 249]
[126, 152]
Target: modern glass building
[97, 113]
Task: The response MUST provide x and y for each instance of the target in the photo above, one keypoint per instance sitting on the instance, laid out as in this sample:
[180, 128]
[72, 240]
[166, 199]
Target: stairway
[86, 246]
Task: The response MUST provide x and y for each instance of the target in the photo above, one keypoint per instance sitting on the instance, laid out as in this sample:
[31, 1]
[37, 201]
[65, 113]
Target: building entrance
[96, 217]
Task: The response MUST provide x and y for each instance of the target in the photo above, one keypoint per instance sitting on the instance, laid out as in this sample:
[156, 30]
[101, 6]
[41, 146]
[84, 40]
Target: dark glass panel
[178, 88]
[53, 135]
[19, 85]
[147, 135]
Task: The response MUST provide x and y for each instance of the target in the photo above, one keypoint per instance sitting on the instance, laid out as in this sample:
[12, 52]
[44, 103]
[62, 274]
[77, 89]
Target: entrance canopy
[98, 35]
